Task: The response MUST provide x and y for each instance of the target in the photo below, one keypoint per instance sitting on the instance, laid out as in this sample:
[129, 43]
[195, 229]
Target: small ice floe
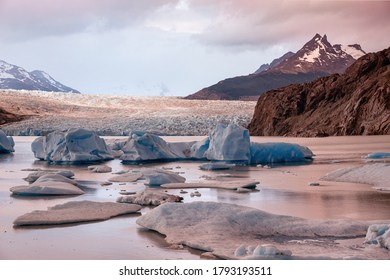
[49, 184]
[32, 177]
[376, 174]
[195, 193]
[216, 166]
[73, 146]
[264, 250]
[230, 185]
[158, 177]
[314, 184]
[149, 198]
[379, 235]
[126, 177]
[76, 212]
[124, 192]
[378, 155]
[6, 143]
[243, 190]
[100, 168]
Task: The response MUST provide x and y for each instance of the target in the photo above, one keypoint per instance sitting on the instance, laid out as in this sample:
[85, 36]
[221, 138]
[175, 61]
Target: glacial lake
[283, 189]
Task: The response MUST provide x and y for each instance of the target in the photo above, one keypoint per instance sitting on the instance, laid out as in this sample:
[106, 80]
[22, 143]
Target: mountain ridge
[17, 78]
[317, 58]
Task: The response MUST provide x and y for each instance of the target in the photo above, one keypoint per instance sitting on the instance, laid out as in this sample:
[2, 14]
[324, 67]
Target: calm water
[283, 189]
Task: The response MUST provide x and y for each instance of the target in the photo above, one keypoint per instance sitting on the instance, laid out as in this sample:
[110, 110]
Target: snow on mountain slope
[15, 77]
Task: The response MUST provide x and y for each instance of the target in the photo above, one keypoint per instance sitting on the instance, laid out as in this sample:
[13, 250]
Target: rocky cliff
[354, 103]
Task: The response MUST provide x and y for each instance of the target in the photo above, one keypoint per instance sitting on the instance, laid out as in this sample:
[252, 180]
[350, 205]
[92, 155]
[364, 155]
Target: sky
[174, 47]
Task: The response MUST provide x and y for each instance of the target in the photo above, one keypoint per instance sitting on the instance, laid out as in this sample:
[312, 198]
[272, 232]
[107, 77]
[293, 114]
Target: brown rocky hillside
[354, 103]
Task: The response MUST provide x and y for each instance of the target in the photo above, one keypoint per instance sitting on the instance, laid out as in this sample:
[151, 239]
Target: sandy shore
[118, 115]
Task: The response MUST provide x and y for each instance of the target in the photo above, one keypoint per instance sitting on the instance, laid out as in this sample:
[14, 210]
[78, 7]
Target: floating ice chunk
[240, 251]
[75, 146]
[215, 166]
[231, 185]
[49, 184]
[265, 250]
[377, 174]
[378, 155]
[146, 147]
[126, 177]
[379, 234]
[32, 177]
[158, 177]
[262, 153]
[146, 198]
[100, 168]
[6, 143]
[229, 143]
[76, 212]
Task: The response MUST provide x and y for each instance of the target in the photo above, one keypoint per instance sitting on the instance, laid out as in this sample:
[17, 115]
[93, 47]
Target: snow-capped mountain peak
[15, 77]
[318, 55]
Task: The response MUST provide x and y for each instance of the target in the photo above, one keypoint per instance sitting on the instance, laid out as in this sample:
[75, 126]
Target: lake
[283, 189]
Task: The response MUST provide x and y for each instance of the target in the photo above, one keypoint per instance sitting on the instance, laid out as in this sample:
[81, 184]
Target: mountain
[274, 62]
[317, 58]
[15, 77]
[354, 103]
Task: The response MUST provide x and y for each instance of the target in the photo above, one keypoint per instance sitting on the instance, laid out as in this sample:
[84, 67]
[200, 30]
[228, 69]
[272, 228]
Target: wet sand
[283, 189]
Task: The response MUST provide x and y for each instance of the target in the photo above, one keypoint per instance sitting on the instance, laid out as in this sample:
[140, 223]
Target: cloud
[20, 19]
[256, 24]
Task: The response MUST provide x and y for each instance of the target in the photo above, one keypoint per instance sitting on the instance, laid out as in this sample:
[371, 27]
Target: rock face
[73, 146]
[7, 117]
[6, 143]
[317, 58]
[354, 103]
[15, 77]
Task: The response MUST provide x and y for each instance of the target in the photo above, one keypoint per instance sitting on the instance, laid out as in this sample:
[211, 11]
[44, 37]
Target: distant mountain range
[317, 58]
[15, 77]
[354, 103]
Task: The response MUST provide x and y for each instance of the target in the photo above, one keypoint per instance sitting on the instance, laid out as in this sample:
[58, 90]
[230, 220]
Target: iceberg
[148, 147]
[49, 184]
[229, 143]
[262, 153]
[73, 146]
[226, 143]
[76, 212]
[6, 143]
